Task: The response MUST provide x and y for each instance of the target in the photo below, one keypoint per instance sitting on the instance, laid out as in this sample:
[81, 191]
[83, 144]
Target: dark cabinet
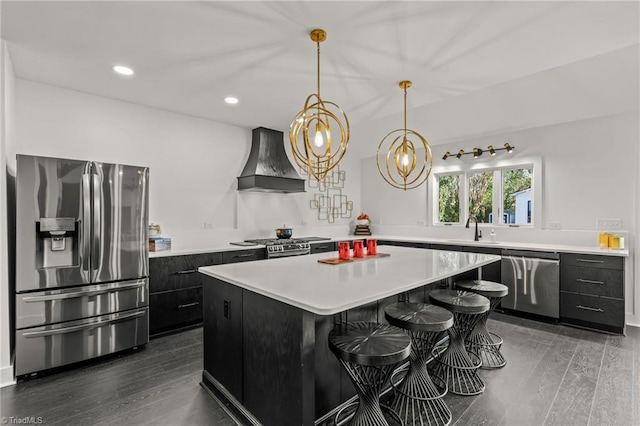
[592, 291]
[323, 247]
[404, 244]
[248, 255]
[490, 272]
[223, 352]
[175, 290]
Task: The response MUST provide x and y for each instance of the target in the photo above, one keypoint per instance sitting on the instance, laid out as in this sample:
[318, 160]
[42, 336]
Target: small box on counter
[159, 244]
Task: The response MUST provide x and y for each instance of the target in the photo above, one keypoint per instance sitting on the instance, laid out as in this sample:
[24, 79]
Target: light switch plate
[554, 226]
[608, 224]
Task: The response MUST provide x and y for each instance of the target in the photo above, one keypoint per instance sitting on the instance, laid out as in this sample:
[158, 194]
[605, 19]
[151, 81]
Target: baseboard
[6, 376]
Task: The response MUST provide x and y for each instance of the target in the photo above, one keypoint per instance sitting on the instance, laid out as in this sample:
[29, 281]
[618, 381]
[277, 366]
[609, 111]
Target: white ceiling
[189, 55]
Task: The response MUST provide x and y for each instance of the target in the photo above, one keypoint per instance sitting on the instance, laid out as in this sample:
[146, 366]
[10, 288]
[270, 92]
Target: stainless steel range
[284, 247]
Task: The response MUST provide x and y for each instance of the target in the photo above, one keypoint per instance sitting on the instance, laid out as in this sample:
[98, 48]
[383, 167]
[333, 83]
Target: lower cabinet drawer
[593, 309]
[598, 282]
[174, 309]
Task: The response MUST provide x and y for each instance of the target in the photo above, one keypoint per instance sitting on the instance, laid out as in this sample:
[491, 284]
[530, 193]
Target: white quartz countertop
[323, 289]
[561, 248]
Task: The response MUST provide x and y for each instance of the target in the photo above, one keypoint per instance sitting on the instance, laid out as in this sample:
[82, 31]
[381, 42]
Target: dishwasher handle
[531, 254]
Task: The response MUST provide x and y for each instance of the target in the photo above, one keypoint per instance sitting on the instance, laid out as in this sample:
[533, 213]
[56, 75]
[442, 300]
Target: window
[481, 196]
[498, 195]
[449, 198]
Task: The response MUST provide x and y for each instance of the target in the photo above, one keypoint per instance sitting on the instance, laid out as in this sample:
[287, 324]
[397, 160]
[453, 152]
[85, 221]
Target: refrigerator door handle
[71, 295]
[86, 221]
[97, 222]
[75, 328]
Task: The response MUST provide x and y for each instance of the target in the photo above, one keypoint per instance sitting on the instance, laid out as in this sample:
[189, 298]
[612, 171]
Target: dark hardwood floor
[555, 375]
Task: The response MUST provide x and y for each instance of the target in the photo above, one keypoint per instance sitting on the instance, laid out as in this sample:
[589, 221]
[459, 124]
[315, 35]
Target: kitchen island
[266, 324]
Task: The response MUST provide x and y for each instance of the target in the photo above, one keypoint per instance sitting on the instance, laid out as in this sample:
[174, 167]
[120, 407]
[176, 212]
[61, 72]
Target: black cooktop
[272, 241]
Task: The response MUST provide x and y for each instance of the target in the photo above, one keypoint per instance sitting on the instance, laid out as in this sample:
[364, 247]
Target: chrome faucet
[477, 235]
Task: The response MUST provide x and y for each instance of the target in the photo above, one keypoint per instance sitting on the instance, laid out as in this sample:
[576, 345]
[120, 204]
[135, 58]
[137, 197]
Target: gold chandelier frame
[318, 117]
[403, 168]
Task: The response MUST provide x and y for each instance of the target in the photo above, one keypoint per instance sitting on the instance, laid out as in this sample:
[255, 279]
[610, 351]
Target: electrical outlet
[554, 226]
[608, 224]
[208, 225]
[422, 223]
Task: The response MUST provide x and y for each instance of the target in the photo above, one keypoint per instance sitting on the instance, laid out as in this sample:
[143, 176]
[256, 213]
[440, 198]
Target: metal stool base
[392, 418]
[369, 382]
[487, 345]
[455, 366]
[418, 400]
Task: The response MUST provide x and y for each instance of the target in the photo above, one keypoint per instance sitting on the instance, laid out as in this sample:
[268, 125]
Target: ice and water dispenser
[57, 242]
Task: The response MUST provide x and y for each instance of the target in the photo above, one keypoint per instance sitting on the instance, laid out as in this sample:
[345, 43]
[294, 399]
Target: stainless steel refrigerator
[82, 261]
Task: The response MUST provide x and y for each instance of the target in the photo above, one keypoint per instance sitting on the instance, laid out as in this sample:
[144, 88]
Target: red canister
[343, 250]
[358, 248]
[372, 247]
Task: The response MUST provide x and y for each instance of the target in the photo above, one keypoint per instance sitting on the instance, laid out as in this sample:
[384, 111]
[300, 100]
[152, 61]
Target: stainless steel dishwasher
[533, 279]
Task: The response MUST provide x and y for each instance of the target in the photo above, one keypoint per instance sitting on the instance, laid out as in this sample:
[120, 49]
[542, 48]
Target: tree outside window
[481, 196]
[449, 198]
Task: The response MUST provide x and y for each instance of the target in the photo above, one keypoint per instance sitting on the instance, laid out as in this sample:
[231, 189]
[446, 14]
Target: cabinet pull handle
[582, 280]
[587, 308]
[188, 305]
[244, 255]
[589, 260]
[189, 271]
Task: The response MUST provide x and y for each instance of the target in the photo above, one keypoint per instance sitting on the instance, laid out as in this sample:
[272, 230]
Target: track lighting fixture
[477, 152]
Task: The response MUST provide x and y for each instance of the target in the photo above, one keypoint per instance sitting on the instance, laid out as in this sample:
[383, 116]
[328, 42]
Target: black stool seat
[369, 352]
[484, 288]
[460, 301]
[480, 340]
[417, 398]
[366, 343]
[455, 365]
[418, 316]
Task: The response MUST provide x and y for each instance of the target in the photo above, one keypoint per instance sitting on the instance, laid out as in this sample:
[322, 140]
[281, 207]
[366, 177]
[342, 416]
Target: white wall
[6, 134]
[193, 164]
[581, 122]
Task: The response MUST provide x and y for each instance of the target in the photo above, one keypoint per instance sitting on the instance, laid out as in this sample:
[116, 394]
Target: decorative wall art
[329, 200]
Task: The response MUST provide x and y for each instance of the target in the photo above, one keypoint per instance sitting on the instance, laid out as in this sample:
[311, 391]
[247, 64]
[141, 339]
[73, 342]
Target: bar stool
[480, 340]
[369, 352]
[418, 400]
[457, 367]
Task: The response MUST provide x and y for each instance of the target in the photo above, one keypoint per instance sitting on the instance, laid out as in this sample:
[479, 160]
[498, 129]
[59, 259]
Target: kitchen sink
[473, 242]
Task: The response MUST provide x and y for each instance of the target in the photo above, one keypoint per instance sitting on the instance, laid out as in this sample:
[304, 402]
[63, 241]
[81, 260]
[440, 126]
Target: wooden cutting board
[337, 261]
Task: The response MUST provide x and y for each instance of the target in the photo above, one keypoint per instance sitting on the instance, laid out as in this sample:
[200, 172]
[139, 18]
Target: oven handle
[72, 295]
[75, 328]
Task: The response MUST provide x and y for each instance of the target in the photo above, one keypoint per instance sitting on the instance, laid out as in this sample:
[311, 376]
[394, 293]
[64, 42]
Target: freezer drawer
[41, 348]
[54, 306]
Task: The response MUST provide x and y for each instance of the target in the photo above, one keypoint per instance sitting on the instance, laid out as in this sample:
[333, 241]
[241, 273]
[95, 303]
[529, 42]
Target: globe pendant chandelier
[313, 130]
[400, 161]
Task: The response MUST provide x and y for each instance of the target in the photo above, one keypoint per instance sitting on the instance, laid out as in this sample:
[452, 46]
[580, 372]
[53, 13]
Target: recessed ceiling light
[122, 70]
[231, 100]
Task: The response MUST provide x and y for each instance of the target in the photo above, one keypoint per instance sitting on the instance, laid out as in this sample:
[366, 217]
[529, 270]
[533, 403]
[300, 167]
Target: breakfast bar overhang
[266, 325]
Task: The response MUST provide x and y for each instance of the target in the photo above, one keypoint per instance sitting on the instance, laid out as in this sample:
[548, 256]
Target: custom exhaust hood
[268, 168]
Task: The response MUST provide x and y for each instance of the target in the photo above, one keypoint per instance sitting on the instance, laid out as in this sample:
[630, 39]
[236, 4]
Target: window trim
[465, 169]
